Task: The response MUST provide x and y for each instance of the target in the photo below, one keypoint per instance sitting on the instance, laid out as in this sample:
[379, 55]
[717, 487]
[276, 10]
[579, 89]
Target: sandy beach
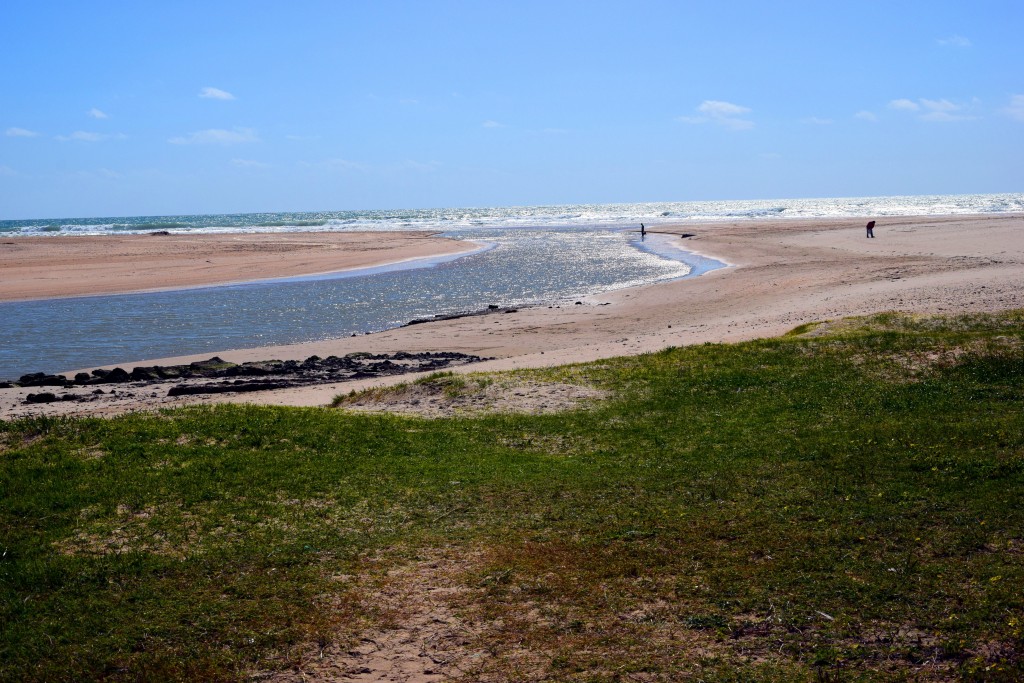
[48, 267]
[781, 274]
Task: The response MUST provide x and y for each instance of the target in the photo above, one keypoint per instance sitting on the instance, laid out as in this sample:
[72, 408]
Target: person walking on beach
[871, 229]
[643, 231]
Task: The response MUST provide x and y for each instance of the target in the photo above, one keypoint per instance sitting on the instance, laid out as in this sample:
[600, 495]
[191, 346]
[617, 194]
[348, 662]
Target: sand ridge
[59, 266]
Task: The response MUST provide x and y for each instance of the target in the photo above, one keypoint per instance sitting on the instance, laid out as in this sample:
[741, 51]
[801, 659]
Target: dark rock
[144, 374]
[45, 397]
[160, 233]
[6, 385]
[188, 390]
[82, 377]
[492, 307]
[41, 379]
[204, 367]
[117, 375]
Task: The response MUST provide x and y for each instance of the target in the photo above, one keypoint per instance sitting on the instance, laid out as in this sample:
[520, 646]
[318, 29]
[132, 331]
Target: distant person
[871, 229]
[643, 231]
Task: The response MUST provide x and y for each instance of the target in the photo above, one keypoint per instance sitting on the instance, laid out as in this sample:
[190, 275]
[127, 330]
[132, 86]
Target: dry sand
[781, 274]
[47, 267]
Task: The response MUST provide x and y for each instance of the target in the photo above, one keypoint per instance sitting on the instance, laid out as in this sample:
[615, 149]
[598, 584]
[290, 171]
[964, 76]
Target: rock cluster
[216, 375]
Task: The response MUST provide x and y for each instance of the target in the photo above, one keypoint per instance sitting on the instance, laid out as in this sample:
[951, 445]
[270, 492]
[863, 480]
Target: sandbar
[781, 274]
[52, 267]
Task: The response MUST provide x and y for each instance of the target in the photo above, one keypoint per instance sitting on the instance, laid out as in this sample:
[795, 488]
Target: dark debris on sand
[216, 376]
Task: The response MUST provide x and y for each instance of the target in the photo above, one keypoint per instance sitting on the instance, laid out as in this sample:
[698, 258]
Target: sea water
[548, 255]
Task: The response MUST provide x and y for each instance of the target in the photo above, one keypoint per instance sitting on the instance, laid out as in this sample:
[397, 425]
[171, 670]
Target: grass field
[843, 503]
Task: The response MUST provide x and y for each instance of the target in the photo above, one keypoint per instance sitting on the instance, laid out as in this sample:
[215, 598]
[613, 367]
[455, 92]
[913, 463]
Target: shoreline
[45, 268]
[782, 274]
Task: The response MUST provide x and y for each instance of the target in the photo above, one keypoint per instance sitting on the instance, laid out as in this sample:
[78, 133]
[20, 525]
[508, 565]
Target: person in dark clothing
[871, 229]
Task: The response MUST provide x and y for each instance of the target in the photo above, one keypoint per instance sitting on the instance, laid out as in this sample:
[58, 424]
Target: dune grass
[843, 503]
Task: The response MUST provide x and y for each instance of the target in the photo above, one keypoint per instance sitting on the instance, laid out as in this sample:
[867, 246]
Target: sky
[164, 108]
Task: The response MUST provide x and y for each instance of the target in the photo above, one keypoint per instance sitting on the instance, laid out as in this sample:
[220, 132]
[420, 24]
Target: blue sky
[112, 108]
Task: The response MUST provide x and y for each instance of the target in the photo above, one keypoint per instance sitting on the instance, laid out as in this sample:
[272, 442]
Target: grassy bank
[839, 504]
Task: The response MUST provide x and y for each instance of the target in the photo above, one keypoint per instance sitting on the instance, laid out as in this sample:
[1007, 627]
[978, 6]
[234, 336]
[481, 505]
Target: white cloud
[865, 116]
[945, 117]
[88, 136]
[98, 174]
[1015, 110]
[954, 41]
[215, 94]
[938, 105]
[492, 124]
[721, 113]
[720, 109]
[904, 105]
[814, 120]
[21, 133]
[97, 114]
[334, 165]
[217, 136]
[942, 111]
[249, 163]
[7, 171]
[422, 166]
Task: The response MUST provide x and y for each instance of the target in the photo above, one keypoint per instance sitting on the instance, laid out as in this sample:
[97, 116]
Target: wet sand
[782, 274]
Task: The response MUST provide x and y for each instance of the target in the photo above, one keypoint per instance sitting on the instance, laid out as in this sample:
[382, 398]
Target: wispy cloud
[335, 164]
[21, 133]
[88, 136]
[865, 115]
[215, 94]
[98, 174]
[904, 105]
[97, 114]
[954, 41]
[421, 166]
[942, 111]
[492, 124]
[7, 171]
[1015, 110]
[815, 121]
[249, 163]
[301, 138]
[217, 136]
[720, 113]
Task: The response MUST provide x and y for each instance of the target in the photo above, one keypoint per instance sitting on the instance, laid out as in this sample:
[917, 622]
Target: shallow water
[522, 267]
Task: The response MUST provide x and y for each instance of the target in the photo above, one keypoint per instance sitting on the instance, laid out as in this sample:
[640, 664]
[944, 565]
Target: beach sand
[48, 267]
[781, 274]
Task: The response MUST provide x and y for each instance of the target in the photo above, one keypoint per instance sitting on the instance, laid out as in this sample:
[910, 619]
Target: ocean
[558, 216]
[548, 255]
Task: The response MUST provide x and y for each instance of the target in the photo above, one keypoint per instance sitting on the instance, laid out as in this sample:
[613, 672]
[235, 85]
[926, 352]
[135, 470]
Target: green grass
[838, 505]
